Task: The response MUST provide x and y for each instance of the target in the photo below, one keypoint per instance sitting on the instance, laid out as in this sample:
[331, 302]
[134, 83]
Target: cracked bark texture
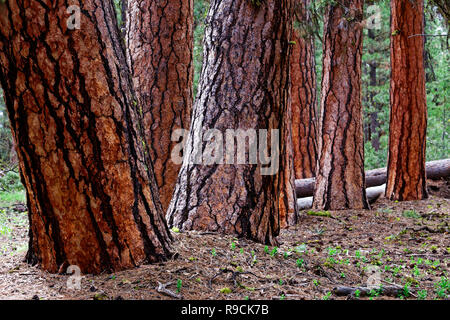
[303, 95]
[340, 179]
[159, 37]
[408, 117]
[244, 85]
[92, 197]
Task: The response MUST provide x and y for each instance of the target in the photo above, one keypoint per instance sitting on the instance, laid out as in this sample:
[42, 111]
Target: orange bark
[303, 95]
[244, 85]
[340, 179]
[408, 118]
[92, 197]
[159, 37]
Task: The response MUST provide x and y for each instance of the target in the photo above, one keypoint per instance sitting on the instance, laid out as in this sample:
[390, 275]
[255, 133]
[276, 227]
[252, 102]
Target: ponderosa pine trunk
[373, 125]
[340, 173]
[92, 196]
[303, 95]
[408, 118]
[159, 37]
[287, 200]
[244, 85]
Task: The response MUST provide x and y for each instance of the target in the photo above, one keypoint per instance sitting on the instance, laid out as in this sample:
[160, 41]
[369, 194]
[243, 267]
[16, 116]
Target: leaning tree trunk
[244, 85]
[340, 171]
[303, 95]
[92, 197]
[159, 41]
[408, 118]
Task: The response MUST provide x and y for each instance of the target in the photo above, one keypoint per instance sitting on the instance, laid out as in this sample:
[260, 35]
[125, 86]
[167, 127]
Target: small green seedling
[179, 285]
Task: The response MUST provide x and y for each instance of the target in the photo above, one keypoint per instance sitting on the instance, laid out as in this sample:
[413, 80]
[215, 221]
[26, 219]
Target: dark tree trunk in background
[92, 197]
[159, 39]
[287, 200]
[408, 118]
[303, 95]
[374, 135]
[340, 172]
[372, 108]
[244, 85]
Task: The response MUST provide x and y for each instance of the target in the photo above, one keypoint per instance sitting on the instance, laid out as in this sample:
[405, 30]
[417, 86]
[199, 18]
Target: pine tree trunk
[288, 201]
[92, 197]
[244, 85]
[374, 136]
[408, 119]
[303, 95]
[159, 39]
[340, 172]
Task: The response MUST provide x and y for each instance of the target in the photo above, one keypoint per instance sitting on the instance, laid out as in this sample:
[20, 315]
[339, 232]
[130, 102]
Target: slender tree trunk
[159, 39]
[92, 197]
[303, 95]
[408, 119]
[288, 201]
[340, 172]
[244, 85]
[374, 124]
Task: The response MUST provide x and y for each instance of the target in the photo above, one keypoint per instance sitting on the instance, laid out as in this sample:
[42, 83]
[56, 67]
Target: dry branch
[372, 195]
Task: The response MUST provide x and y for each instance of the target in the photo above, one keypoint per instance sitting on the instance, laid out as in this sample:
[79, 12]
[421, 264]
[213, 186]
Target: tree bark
[92, 197]
[406, 178]
[303, 95]
[340, 173]
[244, 85]
[159, 37]
[374, 136]
[287, 201]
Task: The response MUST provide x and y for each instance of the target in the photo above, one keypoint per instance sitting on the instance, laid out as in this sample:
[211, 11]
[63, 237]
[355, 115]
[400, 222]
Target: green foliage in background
[200, 11]
[10, 182]
[6, 144]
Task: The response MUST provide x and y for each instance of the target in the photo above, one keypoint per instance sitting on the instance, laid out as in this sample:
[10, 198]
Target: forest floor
[404, 245]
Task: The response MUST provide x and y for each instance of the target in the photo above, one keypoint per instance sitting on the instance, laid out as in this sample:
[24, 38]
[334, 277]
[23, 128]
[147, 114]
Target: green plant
[442, 288]
[274, 252]
[327, 296]
[179, 285]
[225, 290]
[411, 214]
[319, 214]
[422, 294]
[406, 291]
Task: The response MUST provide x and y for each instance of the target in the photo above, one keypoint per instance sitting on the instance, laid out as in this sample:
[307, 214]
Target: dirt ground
[400, 245]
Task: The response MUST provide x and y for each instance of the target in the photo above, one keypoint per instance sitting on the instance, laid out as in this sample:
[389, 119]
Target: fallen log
[392, 291]
[373, 194]
[435, 170]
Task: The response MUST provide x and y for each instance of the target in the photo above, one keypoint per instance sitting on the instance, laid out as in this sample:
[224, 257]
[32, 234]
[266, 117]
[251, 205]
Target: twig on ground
[161, 288]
